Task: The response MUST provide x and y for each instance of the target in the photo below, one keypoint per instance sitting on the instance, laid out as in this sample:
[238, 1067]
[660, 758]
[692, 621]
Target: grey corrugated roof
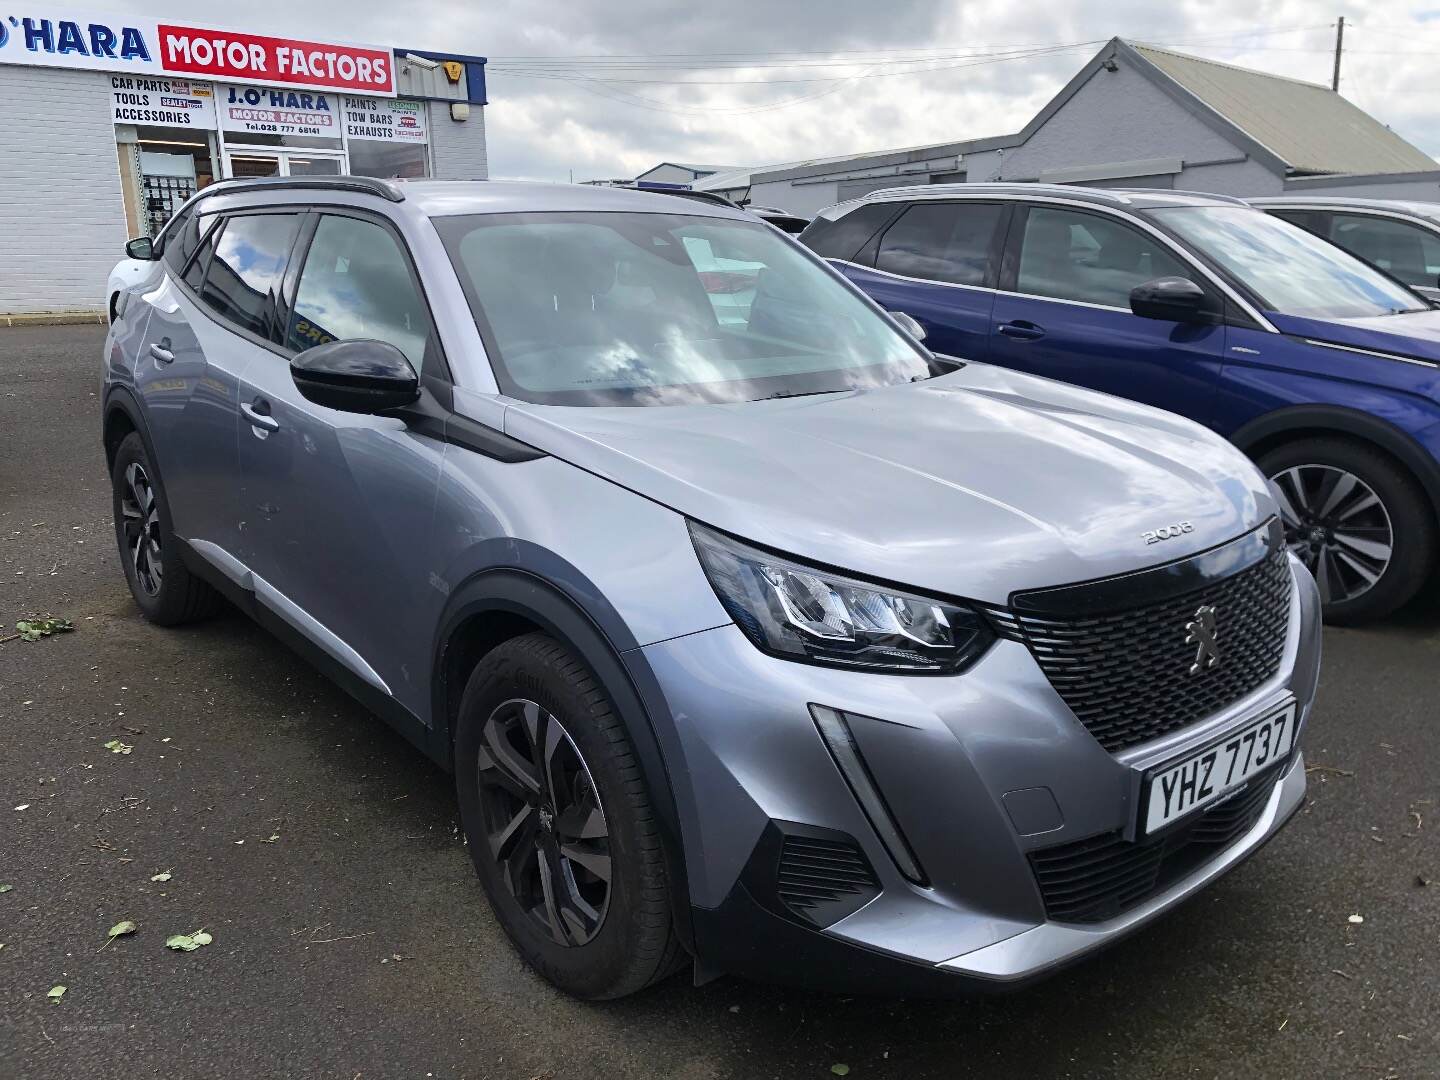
[1309, 127]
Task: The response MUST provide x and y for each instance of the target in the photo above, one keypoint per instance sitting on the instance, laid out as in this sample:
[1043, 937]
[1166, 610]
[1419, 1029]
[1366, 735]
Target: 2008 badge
[1166, 532]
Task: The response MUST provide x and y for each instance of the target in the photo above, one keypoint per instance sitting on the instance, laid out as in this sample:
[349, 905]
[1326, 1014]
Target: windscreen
[665, 309]
[1292, 271]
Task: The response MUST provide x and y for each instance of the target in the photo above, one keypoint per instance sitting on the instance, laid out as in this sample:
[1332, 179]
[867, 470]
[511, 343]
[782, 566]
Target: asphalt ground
[350, 938]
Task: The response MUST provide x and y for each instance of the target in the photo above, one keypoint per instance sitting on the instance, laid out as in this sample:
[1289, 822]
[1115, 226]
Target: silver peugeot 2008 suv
[754, 634]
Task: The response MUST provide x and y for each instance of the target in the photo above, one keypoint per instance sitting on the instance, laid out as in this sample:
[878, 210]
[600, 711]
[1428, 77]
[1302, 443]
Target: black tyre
[559, 823]
[168, 594]
[1358, 520]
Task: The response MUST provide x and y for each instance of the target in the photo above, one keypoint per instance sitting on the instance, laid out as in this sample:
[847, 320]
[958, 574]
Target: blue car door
[937, 262]
[1063, 311]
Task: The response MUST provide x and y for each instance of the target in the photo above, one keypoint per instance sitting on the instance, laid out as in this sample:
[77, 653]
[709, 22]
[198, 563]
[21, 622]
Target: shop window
[388, 160]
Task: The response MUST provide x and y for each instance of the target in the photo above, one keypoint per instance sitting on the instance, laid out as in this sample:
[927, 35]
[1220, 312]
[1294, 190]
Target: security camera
[421, 61]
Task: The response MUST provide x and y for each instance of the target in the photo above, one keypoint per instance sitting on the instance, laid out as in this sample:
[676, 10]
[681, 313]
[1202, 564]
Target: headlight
[802, 613]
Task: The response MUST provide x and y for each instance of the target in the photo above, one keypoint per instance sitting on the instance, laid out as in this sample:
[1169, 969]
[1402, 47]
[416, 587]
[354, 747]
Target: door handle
[162, 354]
[258, 413]
[1021, 330]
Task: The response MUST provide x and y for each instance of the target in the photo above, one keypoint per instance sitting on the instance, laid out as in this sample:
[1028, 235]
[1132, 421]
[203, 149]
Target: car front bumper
[948, 757]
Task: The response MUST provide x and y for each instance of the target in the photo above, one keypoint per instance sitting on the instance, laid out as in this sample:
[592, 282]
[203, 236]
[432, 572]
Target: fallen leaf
[56, 993]
[23, 806]
[121, 928]
[6, 888]
[840, 1069]
[188, 942]
[115, 746]
[164, 875]
[33, 628]
[1356, 920]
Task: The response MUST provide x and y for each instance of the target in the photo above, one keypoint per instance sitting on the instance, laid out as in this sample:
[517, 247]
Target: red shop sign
[253, 58]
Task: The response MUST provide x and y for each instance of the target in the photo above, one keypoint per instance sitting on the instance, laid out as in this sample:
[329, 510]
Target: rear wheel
[559, 823]
[1357, 520]
[167, 593]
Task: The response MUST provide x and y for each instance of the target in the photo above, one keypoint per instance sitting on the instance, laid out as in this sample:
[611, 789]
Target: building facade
[1139, 116]
[109, 123]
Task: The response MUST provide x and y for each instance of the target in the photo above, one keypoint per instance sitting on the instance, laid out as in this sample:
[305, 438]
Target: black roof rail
[360, 185]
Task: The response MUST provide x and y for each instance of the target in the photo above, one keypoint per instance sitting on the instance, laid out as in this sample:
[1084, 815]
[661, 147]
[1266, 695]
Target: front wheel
[559, 824]
[1357, 520]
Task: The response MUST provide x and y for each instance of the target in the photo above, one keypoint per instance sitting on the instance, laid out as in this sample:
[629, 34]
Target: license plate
[1207, 775]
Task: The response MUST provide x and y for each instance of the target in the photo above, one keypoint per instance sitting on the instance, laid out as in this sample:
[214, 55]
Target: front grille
[1098, 878]
[818, 879]
[1126, 674]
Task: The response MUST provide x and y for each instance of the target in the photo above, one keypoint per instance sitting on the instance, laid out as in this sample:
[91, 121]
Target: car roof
[1132, 198]
[1412, 207]
[446, 198]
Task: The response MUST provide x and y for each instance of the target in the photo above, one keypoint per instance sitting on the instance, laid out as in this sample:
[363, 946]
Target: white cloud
[546, 129]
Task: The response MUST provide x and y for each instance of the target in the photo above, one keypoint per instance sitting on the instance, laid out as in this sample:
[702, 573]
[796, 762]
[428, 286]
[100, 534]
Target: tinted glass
[1313, 220]
[196, 273]
[941, 242]
[1088, 258]
[1291, 271]
[1405, 251]
[243, 281]
[661, 309]
[357, 284]
[842, 238]
[181, 239]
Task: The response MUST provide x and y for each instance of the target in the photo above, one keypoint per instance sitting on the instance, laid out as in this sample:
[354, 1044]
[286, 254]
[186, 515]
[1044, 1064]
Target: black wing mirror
[1172, 299]
[142, 248]
[356, 376]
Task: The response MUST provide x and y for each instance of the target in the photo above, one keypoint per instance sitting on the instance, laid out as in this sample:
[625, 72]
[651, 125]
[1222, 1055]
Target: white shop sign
[259, 110]
[385, 120]
[165, 102]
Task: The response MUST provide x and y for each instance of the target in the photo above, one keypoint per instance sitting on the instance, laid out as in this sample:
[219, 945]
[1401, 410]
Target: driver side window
[1089, 258]
[357, 284]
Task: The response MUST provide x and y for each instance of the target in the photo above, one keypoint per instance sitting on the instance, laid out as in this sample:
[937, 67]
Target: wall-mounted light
[420, 61]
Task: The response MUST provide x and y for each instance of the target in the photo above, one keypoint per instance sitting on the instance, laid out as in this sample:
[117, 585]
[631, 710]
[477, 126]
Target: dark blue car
[1321, 367]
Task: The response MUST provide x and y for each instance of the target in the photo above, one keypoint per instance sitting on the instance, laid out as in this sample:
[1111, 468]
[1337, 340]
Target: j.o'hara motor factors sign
[148, 48]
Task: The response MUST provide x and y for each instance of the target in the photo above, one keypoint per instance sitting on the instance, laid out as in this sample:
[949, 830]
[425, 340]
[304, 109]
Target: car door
[187, 374]
[339, 504]
[1063, 311]
[937, 262]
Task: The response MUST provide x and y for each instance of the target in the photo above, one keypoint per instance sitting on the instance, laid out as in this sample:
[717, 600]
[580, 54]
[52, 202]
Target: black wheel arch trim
[120, 398]
[537, 585]
[1303, 420]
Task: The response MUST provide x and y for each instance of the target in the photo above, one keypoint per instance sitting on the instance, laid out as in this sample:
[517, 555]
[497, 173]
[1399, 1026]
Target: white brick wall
[62, 218]
[458, 149]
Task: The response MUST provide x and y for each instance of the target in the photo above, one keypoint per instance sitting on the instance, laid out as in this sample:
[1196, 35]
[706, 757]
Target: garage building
[109, 123]
[1140, 116]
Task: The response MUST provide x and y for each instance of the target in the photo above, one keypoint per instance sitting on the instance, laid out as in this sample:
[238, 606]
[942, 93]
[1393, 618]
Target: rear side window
[948, 242]
[1402, 250]
[357, 284]
[842, 238]
[195, 275]
[247, 269]
[181, 240]
[1092, 259]
[1309, 220]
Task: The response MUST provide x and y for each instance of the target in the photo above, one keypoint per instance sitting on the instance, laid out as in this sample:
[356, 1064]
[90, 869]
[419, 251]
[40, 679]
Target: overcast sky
[549, 128]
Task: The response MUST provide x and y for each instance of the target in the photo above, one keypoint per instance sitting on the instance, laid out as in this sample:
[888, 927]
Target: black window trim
[301, 254]
[993, 256]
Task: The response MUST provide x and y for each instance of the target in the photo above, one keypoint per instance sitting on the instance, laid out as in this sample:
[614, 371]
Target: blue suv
[1321, 367]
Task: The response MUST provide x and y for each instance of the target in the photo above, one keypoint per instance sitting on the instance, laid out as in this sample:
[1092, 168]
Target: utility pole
[1339, 44]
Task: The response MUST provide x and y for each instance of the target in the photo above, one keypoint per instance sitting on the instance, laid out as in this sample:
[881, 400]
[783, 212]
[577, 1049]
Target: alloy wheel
[544, 821]
[140, 518]
[1338, 527]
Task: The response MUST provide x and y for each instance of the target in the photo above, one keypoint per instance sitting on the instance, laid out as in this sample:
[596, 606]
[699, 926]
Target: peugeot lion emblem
[1201, 633]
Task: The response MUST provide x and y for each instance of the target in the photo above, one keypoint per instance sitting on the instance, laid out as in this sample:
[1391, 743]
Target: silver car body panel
[360, 533]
